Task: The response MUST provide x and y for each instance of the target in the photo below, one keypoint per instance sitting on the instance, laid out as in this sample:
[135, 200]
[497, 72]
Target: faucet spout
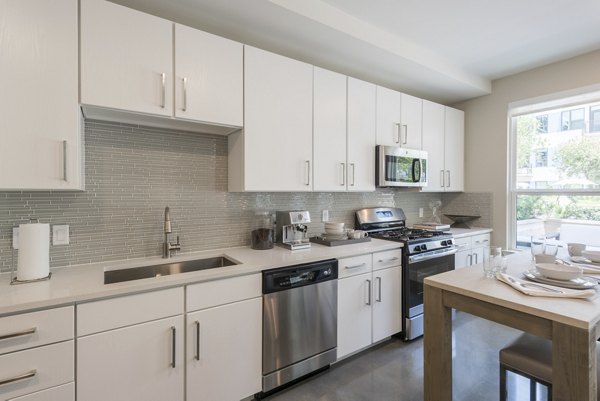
[168, 247]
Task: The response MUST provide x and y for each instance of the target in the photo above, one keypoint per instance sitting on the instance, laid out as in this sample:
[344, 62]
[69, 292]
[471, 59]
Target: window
[555, 171]
[572, 119]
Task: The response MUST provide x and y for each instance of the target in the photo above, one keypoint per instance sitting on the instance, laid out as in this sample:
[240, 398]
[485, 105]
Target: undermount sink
[166, 269]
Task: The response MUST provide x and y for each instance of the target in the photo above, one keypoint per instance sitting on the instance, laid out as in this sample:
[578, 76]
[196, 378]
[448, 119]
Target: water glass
[538, 246]
[493, 261]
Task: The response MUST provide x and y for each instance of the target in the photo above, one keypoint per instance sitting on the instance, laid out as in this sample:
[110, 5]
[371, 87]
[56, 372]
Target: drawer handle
[23, 376]
[388, 260]
[173, 345]
[27, 332]
[356, 266]
[197, 356]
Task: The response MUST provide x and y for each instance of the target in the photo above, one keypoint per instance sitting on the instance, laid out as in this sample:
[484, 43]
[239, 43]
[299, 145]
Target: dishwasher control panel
[299, 275]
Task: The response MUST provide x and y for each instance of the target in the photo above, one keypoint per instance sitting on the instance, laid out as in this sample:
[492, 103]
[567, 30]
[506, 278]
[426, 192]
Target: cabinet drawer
[463, 243]
[480, 240]
[109, 314]
[382, 260]
[355, 265]
[36, 328]
[48, 366]
[220, 292]
[66, 392]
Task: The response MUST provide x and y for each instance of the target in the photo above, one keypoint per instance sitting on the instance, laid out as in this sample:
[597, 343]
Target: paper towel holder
[14, 280]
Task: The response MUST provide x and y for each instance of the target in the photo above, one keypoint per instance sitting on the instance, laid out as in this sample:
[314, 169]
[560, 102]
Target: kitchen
[132, 172]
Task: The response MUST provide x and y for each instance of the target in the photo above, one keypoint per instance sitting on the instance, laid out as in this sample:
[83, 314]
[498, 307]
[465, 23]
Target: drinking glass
[538, 246]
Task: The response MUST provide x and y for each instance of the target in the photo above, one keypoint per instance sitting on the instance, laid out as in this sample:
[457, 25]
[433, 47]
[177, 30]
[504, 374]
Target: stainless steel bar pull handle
[405, 134]
[398, 129]
[343, 174]
[369, 292]
[378, 289]
[163, 90]
[353, 171]
[470, 256]
[173, 346]
[356, 266]
[184, 107]
[65, 148]
[448, 174]
[17, 378]
[307, 162]
[27, 332]
[388, 260]
[476, 258]
[197, 356]
[442, 180]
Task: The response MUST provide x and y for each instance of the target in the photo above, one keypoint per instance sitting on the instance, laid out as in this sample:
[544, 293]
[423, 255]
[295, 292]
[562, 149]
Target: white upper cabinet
[329, 131]
[455, 150]
[398, 119]
[361, 135]
[40, 135]
[126, 59]
[209, 77]
[274, 152]
[443, 139]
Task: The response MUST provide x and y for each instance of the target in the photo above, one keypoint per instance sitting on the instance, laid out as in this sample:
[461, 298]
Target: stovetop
[409, 235]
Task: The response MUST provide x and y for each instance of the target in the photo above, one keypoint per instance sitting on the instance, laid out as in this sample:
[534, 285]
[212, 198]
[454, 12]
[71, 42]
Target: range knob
[444, 243]
[417, 248]
[423, 247]
[449, 242]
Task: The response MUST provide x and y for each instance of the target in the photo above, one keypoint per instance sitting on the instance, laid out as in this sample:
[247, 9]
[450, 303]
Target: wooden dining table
[573, 325]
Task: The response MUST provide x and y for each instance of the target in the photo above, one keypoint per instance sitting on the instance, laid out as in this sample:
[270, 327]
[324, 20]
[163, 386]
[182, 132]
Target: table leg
[437, 346]
[573, 363]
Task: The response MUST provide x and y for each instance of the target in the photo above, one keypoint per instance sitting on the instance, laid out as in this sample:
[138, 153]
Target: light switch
[60, 235]
[15, 242]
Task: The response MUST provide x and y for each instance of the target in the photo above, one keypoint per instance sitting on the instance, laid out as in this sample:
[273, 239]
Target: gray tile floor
[393, 371]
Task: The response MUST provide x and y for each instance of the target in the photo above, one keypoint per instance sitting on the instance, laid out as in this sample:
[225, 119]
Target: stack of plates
[335, 231]
[561, 276]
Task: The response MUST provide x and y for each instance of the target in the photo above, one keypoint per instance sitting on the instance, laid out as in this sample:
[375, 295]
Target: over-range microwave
[400, 167]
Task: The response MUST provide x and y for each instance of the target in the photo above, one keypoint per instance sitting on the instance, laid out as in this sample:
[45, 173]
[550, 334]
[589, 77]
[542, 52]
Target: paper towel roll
[34, 251]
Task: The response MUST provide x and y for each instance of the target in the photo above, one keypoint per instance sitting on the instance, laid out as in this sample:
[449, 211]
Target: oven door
[418, 268]
[400, 167]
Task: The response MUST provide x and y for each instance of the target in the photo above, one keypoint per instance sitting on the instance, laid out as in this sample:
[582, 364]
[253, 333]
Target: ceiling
[441, 50]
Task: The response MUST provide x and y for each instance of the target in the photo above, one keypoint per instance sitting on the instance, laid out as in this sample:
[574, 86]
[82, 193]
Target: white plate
[582, 283]
[557, 271]
[594, 256]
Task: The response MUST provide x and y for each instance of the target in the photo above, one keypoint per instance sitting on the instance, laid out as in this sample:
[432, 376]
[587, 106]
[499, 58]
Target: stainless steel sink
[137, 273]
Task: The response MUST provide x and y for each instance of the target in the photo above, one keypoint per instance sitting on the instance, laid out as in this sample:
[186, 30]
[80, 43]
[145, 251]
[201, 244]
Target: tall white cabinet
[398, 119]
[41, 143]
[443, 139]
[274, 151]
[126, 59]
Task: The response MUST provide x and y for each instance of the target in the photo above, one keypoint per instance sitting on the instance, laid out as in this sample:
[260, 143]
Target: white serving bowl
[338, 226]
[594, 256]
[330, 231]
[575, 248]
[559, 272]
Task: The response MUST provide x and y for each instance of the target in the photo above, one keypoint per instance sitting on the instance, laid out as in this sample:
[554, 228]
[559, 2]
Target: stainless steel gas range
[424, 254]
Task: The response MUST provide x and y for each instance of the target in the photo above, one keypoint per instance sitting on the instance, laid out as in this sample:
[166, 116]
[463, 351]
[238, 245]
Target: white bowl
[334, 231]
[558, 271]
[575, 248]
[594, 256]
[339, 226]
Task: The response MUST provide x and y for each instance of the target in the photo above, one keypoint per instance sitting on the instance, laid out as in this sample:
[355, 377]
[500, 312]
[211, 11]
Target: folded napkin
[543, 290]
[587, 268]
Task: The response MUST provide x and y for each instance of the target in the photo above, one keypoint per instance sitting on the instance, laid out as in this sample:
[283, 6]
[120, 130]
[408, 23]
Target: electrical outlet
[420, 212]
[60, 235]
[325, 215]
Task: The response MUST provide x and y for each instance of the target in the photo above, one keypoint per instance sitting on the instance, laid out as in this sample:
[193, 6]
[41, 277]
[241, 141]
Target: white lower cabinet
[224, 339]
[131, 348]
[470, 250]
[369, 303]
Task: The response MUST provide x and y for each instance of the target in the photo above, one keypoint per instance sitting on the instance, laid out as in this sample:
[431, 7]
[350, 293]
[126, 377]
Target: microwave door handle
[416, 177]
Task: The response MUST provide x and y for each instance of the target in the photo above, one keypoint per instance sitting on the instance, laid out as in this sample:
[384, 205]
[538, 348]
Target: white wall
[486, 127]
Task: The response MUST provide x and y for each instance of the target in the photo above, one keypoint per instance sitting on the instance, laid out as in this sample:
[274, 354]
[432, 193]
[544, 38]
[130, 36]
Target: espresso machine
[292, 231]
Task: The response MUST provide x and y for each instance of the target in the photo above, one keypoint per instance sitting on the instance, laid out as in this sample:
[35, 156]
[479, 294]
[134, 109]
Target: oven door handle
[421, 258]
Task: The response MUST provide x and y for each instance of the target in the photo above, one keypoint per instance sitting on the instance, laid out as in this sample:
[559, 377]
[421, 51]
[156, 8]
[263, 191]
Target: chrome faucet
[168, 247]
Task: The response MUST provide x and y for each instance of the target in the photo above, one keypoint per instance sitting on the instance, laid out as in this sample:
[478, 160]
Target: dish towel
[543, 290]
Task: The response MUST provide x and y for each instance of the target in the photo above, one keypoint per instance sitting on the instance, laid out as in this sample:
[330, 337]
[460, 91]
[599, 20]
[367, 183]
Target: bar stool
[531, 357]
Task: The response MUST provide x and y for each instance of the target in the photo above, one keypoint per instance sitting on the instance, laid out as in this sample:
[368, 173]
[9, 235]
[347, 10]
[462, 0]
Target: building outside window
[555, 172]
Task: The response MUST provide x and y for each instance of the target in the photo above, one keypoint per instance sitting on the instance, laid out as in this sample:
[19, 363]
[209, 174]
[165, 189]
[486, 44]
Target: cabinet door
[433, 143]
[388, 117]
[477, 255]
[278, 122]
[224, 358]
[208, 78]
[126, 59]
[455, 150]
[140, 362]
[40, 142]
[411, 122]
[329, 131]
[354, 314]
[463, 259]
[361, 135]
[387, 303]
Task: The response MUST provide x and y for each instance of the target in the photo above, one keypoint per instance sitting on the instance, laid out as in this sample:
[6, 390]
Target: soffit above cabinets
[442, 51]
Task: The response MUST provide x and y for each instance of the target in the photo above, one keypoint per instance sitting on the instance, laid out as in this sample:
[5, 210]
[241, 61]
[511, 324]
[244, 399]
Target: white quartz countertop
[469, 281]
[83, 283]
[467, 232]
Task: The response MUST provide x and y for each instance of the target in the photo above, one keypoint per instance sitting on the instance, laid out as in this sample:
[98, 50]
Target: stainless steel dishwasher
[299, 321]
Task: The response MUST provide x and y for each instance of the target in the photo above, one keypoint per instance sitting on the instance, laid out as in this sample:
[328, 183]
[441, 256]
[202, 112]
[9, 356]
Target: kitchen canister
[34, 252]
